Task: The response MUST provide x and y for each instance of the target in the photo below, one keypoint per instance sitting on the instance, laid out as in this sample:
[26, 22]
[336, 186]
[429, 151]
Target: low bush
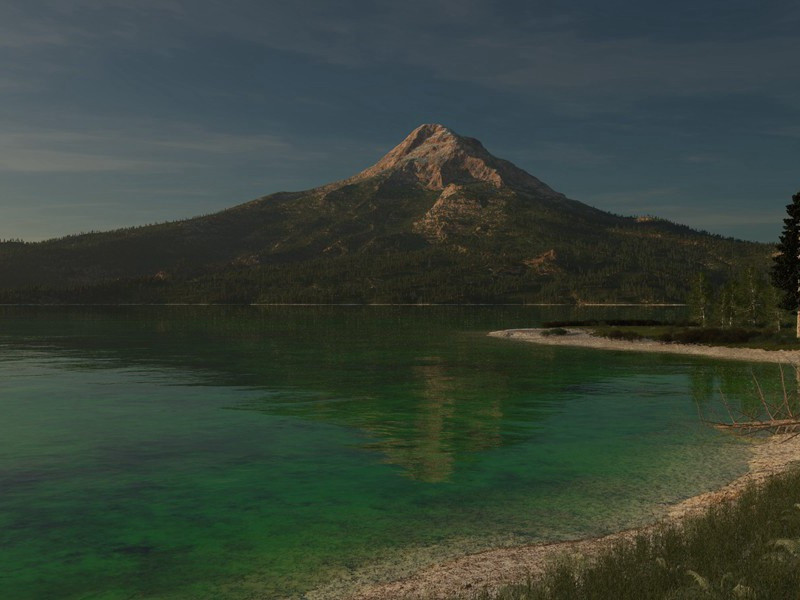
[555, 331]
[621, 334]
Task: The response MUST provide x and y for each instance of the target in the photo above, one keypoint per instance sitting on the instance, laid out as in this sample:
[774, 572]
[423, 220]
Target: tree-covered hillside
[439, 219]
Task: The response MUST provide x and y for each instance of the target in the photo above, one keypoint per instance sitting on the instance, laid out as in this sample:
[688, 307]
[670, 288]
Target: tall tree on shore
[786, 268]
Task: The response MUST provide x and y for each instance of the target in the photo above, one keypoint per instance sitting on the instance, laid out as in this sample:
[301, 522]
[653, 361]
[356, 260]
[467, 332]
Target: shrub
[555, 331]
[619, 334]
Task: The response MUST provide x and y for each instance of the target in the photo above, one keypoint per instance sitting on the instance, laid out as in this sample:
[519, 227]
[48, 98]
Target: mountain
[438, 219]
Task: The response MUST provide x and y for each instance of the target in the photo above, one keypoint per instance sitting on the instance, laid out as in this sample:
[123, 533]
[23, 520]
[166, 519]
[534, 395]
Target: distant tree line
[275, 252]
[745, 300]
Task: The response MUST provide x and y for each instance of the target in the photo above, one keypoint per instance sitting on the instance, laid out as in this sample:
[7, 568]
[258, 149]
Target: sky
[127, 112]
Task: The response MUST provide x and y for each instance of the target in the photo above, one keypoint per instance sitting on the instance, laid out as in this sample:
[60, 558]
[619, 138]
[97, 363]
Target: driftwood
[779, 417]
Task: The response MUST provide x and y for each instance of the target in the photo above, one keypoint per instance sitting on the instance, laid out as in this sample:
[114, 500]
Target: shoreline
[492, 569]
[581, 338]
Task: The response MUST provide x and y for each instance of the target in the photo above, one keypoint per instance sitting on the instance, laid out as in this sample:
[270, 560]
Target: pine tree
[786, 268]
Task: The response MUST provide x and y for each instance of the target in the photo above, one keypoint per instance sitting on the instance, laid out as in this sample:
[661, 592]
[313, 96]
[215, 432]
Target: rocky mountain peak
[426, 141]
[436, 157]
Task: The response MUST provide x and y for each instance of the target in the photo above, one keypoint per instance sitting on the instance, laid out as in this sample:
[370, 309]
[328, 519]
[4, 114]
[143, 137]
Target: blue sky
[118, 113]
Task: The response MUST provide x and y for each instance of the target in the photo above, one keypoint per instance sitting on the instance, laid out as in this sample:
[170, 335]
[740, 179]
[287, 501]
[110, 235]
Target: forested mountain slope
[438, 219]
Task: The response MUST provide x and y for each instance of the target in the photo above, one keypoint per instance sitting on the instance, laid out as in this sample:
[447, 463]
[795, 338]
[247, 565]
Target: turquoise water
[264, 452]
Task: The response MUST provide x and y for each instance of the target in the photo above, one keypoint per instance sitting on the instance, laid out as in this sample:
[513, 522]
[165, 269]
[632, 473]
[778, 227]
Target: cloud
[49, 161]
[702, 159]
[638, 199]
[564, 61]
[571, 153]
[145, 146]
[525, 51]
[720, 217]
[473, 43]
[676, 204]
[17, 85]
[32, 38]
[789, 131]
[195, 140]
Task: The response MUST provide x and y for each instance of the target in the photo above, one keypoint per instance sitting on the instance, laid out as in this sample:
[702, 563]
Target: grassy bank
[748, 548]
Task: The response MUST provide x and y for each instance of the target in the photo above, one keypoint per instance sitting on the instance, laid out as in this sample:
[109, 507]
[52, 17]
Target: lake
[242, 452]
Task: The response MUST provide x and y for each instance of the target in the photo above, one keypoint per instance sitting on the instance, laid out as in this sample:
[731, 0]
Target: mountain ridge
[438, 218]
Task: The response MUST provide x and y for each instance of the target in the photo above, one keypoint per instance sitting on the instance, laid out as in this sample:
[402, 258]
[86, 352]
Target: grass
[746, 549]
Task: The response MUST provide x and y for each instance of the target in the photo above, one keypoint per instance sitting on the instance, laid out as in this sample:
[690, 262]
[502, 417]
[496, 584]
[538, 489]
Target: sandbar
[584, 339]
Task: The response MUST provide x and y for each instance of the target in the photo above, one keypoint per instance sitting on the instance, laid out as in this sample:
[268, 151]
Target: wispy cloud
[637, 200]
[52, 161]
[476, 44]
[194, 140]
[145, 146]
[570, 153]
[790, 131]
[702, 159]
[465, 41]
[35, 37]
[675, 204]
[714, 218]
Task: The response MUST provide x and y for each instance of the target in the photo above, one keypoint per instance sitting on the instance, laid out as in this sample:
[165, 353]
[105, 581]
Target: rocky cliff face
[459, 212]
[473, 185]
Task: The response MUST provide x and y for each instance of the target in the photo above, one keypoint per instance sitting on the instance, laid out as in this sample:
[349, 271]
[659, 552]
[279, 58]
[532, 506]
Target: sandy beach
[492, 569]
[584, 339]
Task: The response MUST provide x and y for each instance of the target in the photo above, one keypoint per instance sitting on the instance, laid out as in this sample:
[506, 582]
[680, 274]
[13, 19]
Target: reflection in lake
[727, 391]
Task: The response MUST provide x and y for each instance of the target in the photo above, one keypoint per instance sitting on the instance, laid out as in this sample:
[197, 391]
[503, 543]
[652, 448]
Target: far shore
[584, 339]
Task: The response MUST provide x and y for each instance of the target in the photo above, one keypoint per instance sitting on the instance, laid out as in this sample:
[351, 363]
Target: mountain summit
[437, 157]
[437, 219]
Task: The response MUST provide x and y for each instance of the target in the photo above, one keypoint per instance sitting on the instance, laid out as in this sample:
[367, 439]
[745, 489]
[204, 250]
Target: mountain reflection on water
[368, 367]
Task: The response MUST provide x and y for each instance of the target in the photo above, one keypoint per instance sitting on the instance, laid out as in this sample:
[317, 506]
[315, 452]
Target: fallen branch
[776, 426]
[779, 417]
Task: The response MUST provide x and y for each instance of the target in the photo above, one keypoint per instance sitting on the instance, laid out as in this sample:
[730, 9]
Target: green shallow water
[264, 452]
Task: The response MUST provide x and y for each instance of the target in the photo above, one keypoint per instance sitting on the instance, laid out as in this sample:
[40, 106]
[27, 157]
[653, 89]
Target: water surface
[215, 452]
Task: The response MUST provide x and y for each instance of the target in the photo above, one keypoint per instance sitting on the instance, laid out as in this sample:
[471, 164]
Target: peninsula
[584, 339]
